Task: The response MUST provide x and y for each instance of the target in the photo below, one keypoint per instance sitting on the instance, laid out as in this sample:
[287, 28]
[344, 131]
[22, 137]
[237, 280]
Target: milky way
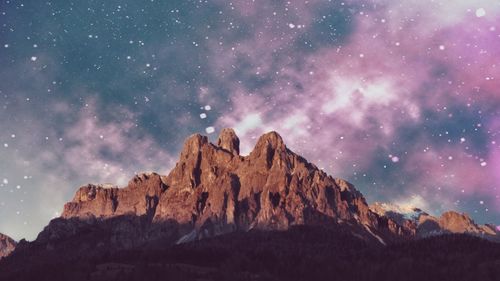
[402, 98]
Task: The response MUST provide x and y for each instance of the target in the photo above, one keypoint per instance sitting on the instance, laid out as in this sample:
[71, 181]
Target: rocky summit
[7, 245]
[213, 190]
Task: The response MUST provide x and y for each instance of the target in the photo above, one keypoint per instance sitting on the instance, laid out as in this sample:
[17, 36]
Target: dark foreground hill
[300, 253]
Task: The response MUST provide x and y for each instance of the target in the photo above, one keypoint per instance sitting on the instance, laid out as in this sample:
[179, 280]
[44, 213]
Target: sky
[401, 98]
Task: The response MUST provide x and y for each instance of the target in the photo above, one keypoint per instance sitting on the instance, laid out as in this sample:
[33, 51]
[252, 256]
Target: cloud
[89, 150]
[110, 151]
[407, 204]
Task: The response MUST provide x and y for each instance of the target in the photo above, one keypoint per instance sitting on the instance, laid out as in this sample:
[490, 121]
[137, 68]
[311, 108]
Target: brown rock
[229, 141]
[7, 245]
[458, 223]
[423, 224]
[139, 197]
[451, 222]
[213, 190]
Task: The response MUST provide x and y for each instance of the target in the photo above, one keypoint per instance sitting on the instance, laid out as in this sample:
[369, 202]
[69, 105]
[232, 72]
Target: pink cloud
[49, 165]
[353, 99]
[125, 153]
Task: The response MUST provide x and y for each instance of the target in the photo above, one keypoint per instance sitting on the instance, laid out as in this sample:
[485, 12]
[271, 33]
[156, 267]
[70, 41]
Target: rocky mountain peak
[229, 141]
[213, 190]
[193, 145]
[270, 149]
[270, 141]
[7, 245]
[458, 223]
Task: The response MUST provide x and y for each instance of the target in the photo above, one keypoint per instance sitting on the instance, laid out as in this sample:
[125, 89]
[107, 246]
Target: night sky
[402, 98]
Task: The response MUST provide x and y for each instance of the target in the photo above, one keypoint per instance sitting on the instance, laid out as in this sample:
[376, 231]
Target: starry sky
[402, 98]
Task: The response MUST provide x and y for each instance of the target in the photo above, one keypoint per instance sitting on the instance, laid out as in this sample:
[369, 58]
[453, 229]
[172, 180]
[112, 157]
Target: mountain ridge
[214, 190]
[428, 225]
[184, 224]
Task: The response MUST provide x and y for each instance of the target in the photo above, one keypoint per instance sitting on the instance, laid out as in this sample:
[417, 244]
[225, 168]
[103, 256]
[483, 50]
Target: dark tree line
[302, 253]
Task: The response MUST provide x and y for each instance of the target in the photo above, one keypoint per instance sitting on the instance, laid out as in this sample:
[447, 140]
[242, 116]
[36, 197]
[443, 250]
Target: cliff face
[140, 197]
[7, 245]
[217, 190]
[213, 190]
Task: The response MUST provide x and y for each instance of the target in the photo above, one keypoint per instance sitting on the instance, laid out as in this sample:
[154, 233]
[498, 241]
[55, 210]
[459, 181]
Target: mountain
[7, 245]
[428, 225]
[273, 206]
[213, 190]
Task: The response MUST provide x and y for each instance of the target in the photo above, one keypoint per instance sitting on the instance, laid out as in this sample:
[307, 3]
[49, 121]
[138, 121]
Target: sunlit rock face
[213, 190]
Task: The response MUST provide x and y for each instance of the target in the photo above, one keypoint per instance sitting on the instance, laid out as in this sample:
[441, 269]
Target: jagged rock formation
[213, 190]
[428, 225]
[229, 141]
[111, 233]
[7, 245]
[140, 197]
